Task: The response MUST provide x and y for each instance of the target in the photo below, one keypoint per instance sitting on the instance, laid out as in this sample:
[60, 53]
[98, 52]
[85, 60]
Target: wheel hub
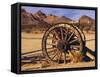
[63, 45]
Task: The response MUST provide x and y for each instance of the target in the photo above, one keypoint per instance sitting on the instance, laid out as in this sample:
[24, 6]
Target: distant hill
[40, 15]
[86, 20]
[63, 19]
[40, 21]
[87, 23]
[50, 19]
[32, 21]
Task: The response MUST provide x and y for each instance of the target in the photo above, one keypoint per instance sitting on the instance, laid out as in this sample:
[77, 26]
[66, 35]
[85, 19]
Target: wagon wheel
[60, 41]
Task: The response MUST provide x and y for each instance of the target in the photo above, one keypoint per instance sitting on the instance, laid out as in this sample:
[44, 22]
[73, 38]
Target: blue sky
[74, 14]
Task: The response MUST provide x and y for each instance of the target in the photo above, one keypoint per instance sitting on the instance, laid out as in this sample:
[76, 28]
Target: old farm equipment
[61, 41]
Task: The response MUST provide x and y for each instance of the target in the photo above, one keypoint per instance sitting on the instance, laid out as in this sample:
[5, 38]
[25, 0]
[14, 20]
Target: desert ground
[31, 42]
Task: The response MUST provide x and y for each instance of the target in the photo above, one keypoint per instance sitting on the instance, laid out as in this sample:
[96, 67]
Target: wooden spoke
[66, 32]
[75, 40]
[65, 36]
[75, 47]
[62, 36]
[54, 55]
[71, 35]
[54, 49]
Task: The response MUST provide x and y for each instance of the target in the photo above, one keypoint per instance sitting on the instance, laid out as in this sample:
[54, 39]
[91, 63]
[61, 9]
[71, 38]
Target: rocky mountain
[87, 23]
[86, 20]
[63, 19]
[41, 21]
[33, 21]
[40, 15]
[52, 19]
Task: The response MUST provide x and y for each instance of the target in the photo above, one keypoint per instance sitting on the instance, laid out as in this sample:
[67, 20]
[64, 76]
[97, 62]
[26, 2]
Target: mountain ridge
[41, 20]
